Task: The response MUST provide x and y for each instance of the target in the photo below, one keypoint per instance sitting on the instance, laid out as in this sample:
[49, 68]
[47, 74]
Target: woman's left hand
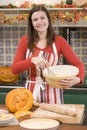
[69, 82]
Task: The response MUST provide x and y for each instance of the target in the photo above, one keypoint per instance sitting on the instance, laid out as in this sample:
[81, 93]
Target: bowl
[6, 118]
[55, 73]
[39, 124]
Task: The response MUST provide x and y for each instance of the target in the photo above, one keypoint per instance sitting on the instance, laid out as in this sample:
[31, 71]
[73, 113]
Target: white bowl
[39, 124]
[6, 118]
[58, 72]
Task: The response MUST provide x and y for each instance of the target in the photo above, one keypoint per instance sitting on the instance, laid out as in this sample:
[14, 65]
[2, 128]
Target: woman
[40, 48]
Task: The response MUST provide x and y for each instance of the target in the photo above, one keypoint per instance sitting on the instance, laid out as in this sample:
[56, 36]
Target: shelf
[81, 23]
[13, 13]
[27, 9]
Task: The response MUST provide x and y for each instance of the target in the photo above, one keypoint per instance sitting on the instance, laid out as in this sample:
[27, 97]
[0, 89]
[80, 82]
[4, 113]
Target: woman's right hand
[39, 61]
[69, 82]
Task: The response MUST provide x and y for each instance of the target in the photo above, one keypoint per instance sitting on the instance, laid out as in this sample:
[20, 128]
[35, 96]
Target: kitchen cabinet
[71, 96]
[75, 96]
[4, 90]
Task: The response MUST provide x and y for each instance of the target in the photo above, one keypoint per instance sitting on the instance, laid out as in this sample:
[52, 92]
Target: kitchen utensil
[66, 119]
[55, 73]
[39, 124]
[6, 118]
[50, 72]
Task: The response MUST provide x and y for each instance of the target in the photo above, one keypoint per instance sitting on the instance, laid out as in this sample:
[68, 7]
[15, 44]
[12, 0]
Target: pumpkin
[19, 99]
[6, 75]
[22, 113]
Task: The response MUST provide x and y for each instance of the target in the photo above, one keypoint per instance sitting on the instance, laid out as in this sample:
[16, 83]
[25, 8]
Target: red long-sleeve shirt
[20, 64]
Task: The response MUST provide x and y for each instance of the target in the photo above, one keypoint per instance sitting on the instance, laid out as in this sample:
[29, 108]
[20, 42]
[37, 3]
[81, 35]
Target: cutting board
[78, 119]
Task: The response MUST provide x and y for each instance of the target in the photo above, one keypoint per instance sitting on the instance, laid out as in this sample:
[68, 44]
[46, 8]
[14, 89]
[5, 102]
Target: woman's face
[40, 21]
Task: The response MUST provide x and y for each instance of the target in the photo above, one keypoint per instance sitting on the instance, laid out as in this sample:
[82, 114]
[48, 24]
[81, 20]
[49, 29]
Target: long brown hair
[32, 33]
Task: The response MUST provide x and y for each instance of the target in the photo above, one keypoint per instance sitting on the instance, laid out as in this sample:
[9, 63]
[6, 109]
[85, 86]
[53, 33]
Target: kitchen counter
[82, 126]
[62, 127]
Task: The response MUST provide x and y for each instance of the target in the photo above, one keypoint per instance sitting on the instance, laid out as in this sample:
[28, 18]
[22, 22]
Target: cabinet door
[3, 92]
[75, 97]
[2, 97]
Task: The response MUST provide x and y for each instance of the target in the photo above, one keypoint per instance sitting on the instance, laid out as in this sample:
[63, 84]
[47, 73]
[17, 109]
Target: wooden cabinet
[76, 96]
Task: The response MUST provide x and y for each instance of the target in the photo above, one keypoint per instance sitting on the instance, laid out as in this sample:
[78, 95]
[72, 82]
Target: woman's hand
[39, 61]
[69, 82]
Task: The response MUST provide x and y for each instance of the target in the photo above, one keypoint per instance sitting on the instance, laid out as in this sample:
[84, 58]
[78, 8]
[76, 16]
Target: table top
[61, 127]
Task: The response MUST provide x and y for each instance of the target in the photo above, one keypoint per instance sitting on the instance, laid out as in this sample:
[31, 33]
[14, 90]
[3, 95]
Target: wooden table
[61, 127]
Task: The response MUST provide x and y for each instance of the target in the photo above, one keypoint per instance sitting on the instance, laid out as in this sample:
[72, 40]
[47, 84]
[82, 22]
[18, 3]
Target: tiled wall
[79, 45]
[9, 38]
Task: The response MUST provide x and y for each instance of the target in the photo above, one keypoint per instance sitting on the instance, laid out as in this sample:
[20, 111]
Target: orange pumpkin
[19, 99]
[6, 75]
[22, 113]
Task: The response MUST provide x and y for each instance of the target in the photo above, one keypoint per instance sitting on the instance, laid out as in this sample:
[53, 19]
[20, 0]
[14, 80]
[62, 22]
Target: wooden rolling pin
[60, 109]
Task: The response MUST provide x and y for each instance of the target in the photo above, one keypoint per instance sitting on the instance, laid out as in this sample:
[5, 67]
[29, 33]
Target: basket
[59, 72]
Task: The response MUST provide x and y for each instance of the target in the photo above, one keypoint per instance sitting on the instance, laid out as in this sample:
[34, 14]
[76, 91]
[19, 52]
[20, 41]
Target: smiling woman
[40, 22]
[41, 48]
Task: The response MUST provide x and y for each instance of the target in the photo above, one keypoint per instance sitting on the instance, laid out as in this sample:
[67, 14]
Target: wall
[79, 45]
[5, 2]
[18, 2]
[9, 38]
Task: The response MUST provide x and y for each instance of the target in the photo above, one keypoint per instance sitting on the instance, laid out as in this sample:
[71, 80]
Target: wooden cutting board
[78, 119]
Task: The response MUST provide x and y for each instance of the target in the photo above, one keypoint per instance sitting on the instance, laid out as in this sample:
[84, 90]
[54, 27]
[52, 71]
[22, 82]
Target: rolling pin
[58, 108]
